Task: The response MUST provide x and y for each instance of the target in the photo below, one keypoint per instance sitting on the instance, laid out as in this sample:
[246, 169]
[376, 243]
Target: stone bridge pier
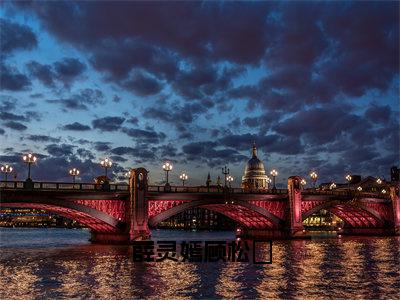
[135, 225]
[395, 197]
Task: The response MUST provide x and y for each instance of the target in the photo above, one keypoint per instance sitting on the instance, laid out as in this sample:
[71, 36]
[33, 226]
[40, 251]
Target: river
[61, 263]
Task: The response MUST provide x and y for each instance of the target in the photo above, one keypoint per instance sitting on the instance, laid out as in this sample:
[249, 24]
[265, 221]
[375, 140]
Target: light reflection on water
[58, 263]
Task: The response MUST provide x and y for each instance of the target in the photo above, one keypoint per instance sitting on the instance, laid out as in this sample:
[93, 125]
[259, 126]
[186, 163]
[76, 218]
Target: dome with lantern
[254, 173]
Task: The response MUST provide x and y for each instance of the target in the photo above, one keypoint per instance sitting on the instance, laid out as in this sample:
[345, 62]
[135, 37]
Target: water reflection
[333, 268]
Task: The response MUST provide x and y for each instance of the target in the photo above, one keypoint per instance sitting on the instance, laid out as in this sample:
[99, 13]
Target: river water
[61, 263]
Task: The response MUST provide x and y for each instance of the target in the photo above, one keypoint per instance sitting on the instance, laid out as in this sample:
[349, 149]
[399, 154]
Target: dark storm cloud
[143, 85]
[133, 120]
[43, 73]
[11, 79]
[378, 114]
[321, 125]
[179, 116]
[15, 125]
[68, 69]
[76, 126]
[43, 138]
[272, 143]
[207, 152]
[202, 81]
[14, 36]
[313, 51]
[137, 152]
[209, 29]
[85, 154]
[65, 71]
[108, 123]
[12, 117]
[59, 149]
[102, 146]
[81, 101]
[147, 136]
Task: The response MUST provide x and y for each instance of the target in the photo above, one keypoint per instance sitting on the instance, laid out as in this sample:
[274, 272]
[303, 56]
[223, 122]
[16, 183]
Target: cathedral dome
[254, 166]
[254, 173]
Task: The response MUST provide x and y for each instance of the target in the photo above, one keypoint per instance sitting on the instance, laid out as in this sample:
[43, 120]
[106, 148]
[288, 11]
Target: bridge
[120, 213]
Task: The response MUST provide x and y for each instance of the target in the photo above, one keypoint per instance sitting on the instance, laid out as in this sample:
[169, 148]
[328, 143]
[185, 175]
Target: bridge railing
[203, 189]
[350, 193]
[63, 186]
[123, 187]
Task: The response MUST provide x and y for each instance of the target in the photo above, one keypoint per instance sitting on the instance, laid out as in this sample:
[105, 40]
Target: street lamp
[359, 188]
[106, 163]
[379, 181]
[183, 177]
[6, 169]
[348, 178]
[167, 166]
[274, 173]
[383, 191]
[74, 172]
[225, 171]
[332, 186]
[314, 177]
[229, 179]
[303, 182]
[29, 159]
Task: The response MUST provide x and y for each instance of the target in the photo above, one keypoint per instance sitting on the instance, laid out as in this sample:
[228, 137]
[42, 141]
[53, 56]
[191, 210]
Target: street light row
[167, 167]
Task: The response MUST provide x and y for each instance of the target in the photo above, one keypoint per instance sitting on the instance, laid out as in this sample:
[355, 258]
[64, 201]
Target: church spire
[254, 149]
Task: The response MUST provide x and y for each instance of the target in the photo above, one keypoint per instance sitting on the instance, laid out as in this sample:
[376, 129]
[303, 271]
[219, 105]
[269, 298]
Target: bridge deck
[123, 188]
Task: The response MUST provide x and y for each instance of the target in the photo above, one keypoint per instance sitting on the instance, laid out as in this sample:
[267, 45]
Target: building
[254, 173]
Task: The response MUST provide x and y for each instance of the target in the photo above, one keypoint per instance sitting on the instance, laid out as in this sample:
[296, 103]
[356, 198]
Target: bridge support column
[137, 209]
[295, 217]
[395, 197]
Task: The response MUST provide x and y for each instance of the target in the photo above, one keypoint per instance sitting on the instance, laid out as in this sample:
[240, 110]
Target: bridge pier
[295, 217]
[395, 197]
[137, 208]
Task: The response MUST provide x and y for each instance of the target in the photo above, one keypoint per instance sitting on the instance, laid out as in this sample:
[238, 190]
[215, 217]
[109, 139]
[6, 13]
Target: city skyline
[314, 87]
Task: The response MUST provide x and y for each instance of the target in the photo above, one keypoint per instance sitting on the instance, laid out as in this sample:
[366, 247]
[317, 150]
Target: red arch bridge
[122, 213]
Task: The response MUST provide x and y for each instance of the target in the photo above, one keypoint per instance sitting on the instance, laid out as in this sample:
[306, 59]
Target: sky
[314, 84]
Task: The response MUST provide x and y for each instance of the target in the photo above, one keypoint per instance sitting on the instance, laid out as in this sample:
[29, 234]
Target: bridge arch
[243, 212]
[94, 219]
[354, 214]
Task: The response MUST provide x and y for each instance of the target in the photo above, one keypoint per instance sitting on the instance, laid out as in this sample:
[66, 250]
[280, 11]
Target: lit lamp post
[314, 177]
[6, 169]
[383, 191]
[229, 179]
[379, 181]
[128, 175]
[106, 163]
[348, 178]
[274, 173]
[225, 171]
[74, 172]
[183, 177]
[29, 159]
[303, 182]
[167, 167]
[268, 181]
[332, 186]
[359, 188]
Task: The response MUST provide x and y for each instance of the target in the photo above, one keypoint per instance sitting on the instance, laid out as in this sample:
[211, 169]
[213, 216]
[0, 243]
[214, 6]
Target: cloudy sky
[314, 84]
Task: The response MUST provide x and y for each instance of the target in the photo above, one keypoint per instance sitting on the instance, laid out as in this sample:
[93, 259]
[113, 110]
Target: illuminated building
[254, 173]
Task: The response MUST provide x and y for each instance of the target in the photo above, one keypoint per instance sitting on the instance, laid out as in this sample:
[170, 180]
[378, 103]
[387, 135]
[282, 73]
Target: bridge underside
[243, 215]
[355, 215]
[87, 219]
